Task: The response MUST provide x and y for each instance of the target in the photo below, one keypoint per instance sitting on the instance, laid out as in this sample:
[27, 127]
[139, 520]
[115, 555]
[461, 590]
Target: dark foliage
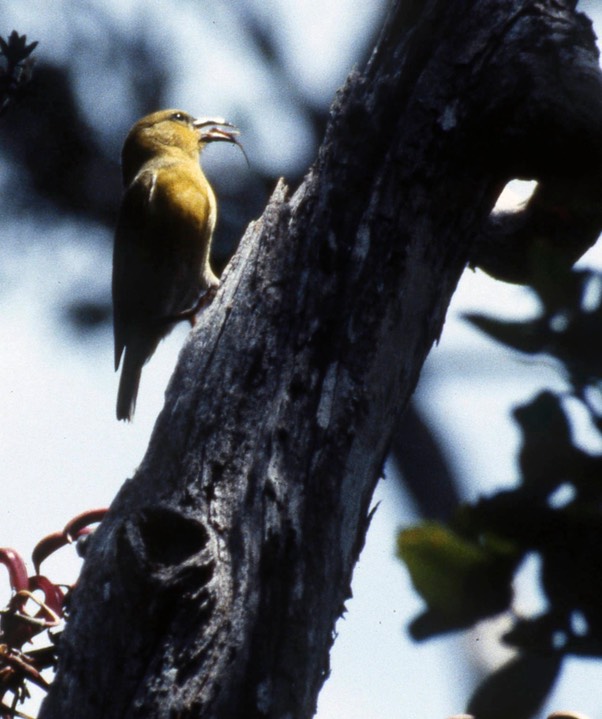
[464, 569]
[16, 72]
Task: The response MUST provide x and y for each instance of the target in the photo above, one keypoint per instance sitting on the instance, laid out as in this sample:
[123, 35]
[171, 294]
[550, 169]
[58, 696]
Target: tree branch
[548, 128]
[213, 586]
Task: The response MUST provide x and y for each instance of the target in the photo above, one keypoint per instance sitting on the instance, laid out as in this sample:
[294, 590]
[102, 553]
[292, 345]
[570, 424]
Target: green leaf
[460, 580]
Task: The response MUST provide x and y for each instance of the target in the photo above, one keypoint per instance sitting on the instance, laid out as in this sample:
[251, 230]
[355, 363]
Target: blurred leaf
[572, 572]
[460, 580]
[17, 71]
[62, 159]
[423, 468]
[586, 475]
[16, 49]
[516, 690]
[561, 289]
[567, 329]
[535, 634]
[515, 514]
[87, 315]
[439, 563]
[579, 349]
[529, 337]
[547, 454]
[430, 623]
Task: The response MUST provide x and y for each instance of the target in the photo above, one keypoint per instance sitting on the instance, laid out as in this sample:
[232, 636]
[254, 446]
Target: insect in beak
[211, 131]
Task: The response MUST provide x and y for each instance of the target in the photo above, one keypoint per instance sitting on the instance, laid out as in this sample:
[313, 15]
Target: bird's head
[171, 132]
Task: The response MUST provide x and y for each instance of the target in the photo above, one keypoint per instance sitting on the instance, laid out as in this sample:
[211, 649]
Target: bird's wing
[130, 277]
[183, 211]
[164, 228]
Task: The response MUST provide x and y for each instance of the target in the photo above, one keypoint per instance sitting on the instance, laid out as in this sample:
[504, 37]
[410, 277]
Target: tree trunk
[213, 586]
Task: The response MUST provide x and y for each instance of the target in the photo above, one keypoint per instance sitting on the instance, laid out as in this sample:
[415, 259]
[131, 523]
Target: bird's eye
[179, 117]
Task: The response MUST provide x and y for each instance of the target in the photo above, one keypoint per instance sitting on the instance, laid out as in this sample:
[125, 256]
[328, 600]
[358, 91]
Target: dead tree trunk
[213, 586]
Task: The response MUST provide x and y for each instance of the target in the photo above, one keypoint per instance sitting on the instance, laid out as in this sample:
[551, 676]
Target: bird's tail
[129, 383]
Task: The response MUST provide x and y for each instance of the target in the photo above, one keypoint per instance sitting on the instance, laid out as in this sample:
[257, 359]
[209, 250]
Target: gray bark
[213, 586]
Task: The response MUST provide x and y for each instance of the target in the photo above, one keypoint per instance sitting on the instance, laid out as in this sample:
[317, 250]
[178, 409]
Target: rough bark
[213, 586]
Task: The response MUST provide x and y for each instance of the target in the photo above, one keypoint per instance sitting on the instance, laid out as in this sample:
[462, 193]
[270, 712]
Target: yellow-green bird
[161, 267]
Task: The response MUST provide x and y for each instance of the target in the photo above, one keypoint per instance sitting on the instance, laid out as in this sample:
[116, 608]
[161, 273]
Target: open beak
[208, 132]
[211, 130]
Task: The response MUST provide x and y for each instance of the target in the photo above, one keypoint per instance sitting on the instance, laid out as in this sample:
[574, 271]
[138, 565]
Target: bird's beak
[210, 130]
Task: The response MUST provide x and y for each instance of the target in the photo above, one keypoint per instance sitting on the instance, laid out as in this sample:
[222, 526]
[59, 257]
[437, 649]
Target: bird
[161, 255]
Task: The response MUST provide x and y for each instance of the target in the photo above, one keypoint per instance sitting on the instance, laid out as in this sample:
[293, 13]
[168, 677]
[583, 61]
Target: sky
[61, 448]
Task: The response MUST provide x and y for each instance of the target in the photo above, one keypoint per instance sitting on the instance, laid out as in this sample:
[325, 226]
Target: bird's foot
[190, 314]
